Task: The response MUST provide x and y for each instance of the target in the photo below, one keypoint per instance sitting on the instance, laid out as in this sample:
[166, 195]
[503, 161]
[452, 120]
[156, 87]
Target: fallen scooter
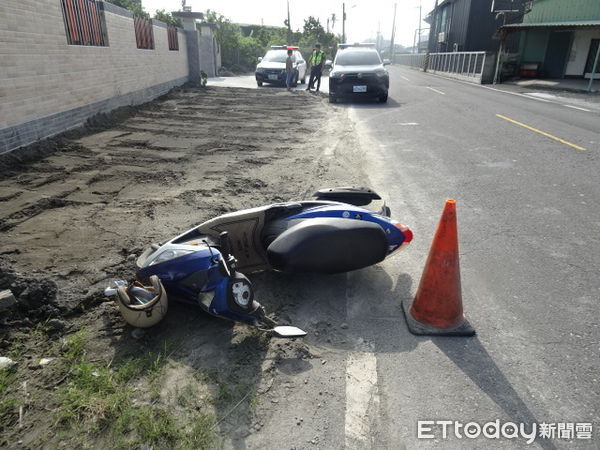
[330, 234]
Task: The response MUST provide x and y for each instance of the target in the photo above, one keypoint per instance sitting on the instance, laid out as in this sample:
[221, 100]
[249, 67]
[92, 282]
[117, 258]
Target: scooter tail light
[408, 235]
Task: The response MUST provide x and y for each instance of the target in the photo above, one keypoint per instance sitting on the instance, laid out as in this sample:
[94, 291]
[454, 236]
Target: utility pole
[419, 42]
[595, 65]
[289, 33]
[393, 34]
[500, 50]
[414, 49]
[434, 27]
[328, 25]
[343, 23]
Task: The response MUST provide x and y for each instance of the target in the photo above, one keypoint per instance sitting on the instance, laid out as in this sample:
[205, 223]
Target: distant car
[271, 67]
[358, 71]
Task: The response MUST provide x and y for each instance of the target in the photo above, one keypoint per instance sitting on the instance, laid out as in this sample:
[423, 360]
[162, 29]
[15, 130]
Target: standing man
[289, 70]
[316, 61]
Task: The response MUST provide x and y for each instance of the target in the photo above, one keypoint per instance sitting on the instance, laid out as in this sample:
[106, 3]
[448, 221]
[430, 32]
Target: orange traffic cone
[437, 307]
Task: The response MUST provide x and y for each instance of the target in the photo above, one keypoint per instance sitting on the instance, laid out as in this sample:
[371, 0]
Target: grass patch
[8, 403]
[157, 427]
[102, 401]
[74, 347]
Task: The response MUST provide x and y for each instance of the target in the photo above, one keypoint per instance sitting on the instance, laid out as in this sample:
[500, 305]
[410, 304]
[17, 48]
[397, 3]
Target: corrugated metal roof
[570, 24]
[563, 11]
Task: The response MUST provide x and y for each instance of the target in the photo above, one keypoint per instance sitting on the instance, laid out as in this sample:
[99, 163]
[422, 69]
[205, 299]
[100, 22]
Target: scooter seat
[328, 245]
[358, 196]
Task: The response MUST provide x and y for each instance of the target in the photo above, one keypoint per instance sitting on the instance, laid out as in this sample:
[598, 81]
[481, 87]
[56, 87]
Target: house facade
[561, 37]
[470, 25]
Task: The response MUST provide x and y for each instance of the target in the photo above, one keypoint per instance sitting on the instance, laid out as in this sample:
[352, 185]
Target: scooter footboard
[244, 229]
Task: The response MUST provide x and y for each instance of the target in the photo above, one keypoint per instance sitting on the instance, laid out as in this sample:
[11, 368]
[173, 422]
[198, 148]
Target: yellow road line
[435, 90]
[543, 133]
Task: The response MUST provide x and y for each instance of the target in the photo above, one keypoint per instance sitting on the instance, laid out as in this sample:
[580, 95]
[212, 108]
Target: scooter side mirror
[288, 332]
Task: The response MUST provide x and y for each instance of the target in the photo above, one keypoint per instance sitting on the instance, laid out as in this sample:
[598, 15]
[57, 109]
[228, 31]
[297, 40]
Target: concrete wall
[48, 86]
[580, 50]
[208, 61]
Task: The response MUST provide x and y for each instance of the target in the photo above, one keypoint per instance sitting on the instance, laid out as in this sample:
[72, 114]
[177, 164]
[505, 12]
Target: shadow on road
[364, 103]
[471, 357]
[343, 311]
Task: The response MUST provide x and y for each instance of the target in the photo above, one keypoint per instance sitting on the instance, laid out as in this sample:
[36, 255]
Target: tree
[167, 18]
[262, 35]
[228, 36]
[313, 32]
[135, 6]
[239, 53]
[313, 28]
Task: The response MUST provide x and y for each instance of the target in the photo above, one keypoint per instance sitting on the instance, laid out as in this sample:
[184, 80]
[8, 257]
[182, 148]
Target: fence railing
[144, 34]
[173, 38]
[465, 65]
[411, 60]
[84, 22]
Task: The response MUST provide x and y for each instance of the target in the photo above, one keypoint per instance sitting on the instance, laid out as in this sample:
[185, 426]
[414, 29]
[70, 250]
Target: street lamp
[417, 46]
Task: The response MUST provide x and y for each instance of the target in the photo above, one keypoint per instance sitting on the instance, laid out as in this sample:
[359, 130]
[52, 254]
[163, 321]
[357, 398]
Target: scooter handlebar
[225, 244]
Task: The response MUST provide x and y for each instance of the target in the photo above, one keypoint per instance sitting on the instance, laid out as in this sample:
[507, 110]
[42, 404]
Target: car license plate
[273, 77]
[359, 89]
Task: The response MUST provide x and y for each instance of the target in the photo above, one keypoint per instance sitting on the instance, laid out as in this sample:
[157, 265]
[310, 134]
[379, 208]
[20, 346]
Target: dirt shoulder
[76, 218]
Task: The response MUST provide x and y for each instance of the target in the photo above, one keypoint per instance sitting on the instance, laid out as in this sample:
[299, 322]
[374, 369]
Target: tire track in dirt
[81, 214]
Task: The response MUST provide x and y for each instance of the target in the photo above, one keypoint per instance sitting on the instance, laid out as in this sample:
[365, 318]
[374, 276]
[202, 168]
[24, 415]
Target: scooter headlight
[241, 291]
[169, 254]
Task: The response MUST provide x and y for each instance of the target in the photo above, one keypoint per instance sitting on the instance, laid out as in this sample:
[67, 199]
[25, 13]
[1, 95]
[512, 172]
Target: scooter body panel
[189, 264]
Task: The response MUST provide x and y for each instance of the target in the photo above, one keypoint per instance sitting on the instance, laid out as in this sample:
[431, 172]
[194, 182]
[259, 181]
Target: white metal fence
[411, 60]
[469, 66]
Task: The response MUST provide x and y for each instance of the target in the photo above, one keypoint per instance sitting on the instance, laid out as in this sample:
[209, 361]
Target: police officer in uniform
[316, 61]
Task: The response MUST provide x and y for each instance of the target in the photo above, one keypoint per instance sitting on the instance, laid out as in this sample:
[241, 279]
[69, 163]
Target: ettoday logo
[431, 429]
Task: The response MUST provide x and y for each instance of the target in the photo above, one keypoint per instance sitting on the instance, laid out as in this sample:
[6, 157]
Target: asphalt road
[524, 172]
[249, 81]
[523, 167]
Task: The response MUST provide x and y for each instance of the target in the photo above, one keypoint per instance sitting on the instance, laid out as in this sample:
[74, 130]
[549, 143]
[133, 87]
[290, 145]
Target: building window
[144, 34]
[84, 22]
[173, 38]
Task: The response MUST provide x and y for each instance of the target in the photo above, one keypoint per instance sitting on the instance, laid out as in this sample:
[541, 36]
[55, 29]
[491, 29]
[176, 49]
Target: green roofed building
[559, 38]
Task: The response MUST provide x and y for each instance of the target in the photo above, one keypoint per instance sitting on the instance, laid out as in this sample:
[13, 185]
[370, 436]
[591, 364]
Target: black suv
[358, 71]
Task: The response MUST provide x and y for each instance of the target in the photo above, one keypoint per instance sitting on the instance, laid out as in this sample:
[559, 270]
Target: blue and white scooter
[330, 234]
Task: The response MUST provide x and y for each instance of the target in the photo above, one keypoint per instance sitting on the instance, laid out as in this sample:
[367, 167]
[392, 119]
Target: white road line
[577, 107]
[506, 92]
[362, 400]
[532, 98]
[541, 95]
[435, 90]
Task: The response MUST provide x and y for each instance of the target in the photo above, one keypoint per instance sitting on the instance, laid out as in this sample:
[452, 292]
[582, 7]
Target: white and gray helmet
[143, 306]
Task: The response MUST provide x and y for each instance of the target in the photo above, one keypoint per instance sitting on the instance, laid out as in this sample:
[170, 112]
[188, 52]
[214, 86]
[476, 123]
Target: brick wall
[47, 86]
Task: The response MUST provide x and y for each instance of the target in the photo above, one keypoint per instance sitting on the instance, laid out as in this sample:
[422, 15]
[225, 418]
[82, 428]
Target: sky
[364, 17]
